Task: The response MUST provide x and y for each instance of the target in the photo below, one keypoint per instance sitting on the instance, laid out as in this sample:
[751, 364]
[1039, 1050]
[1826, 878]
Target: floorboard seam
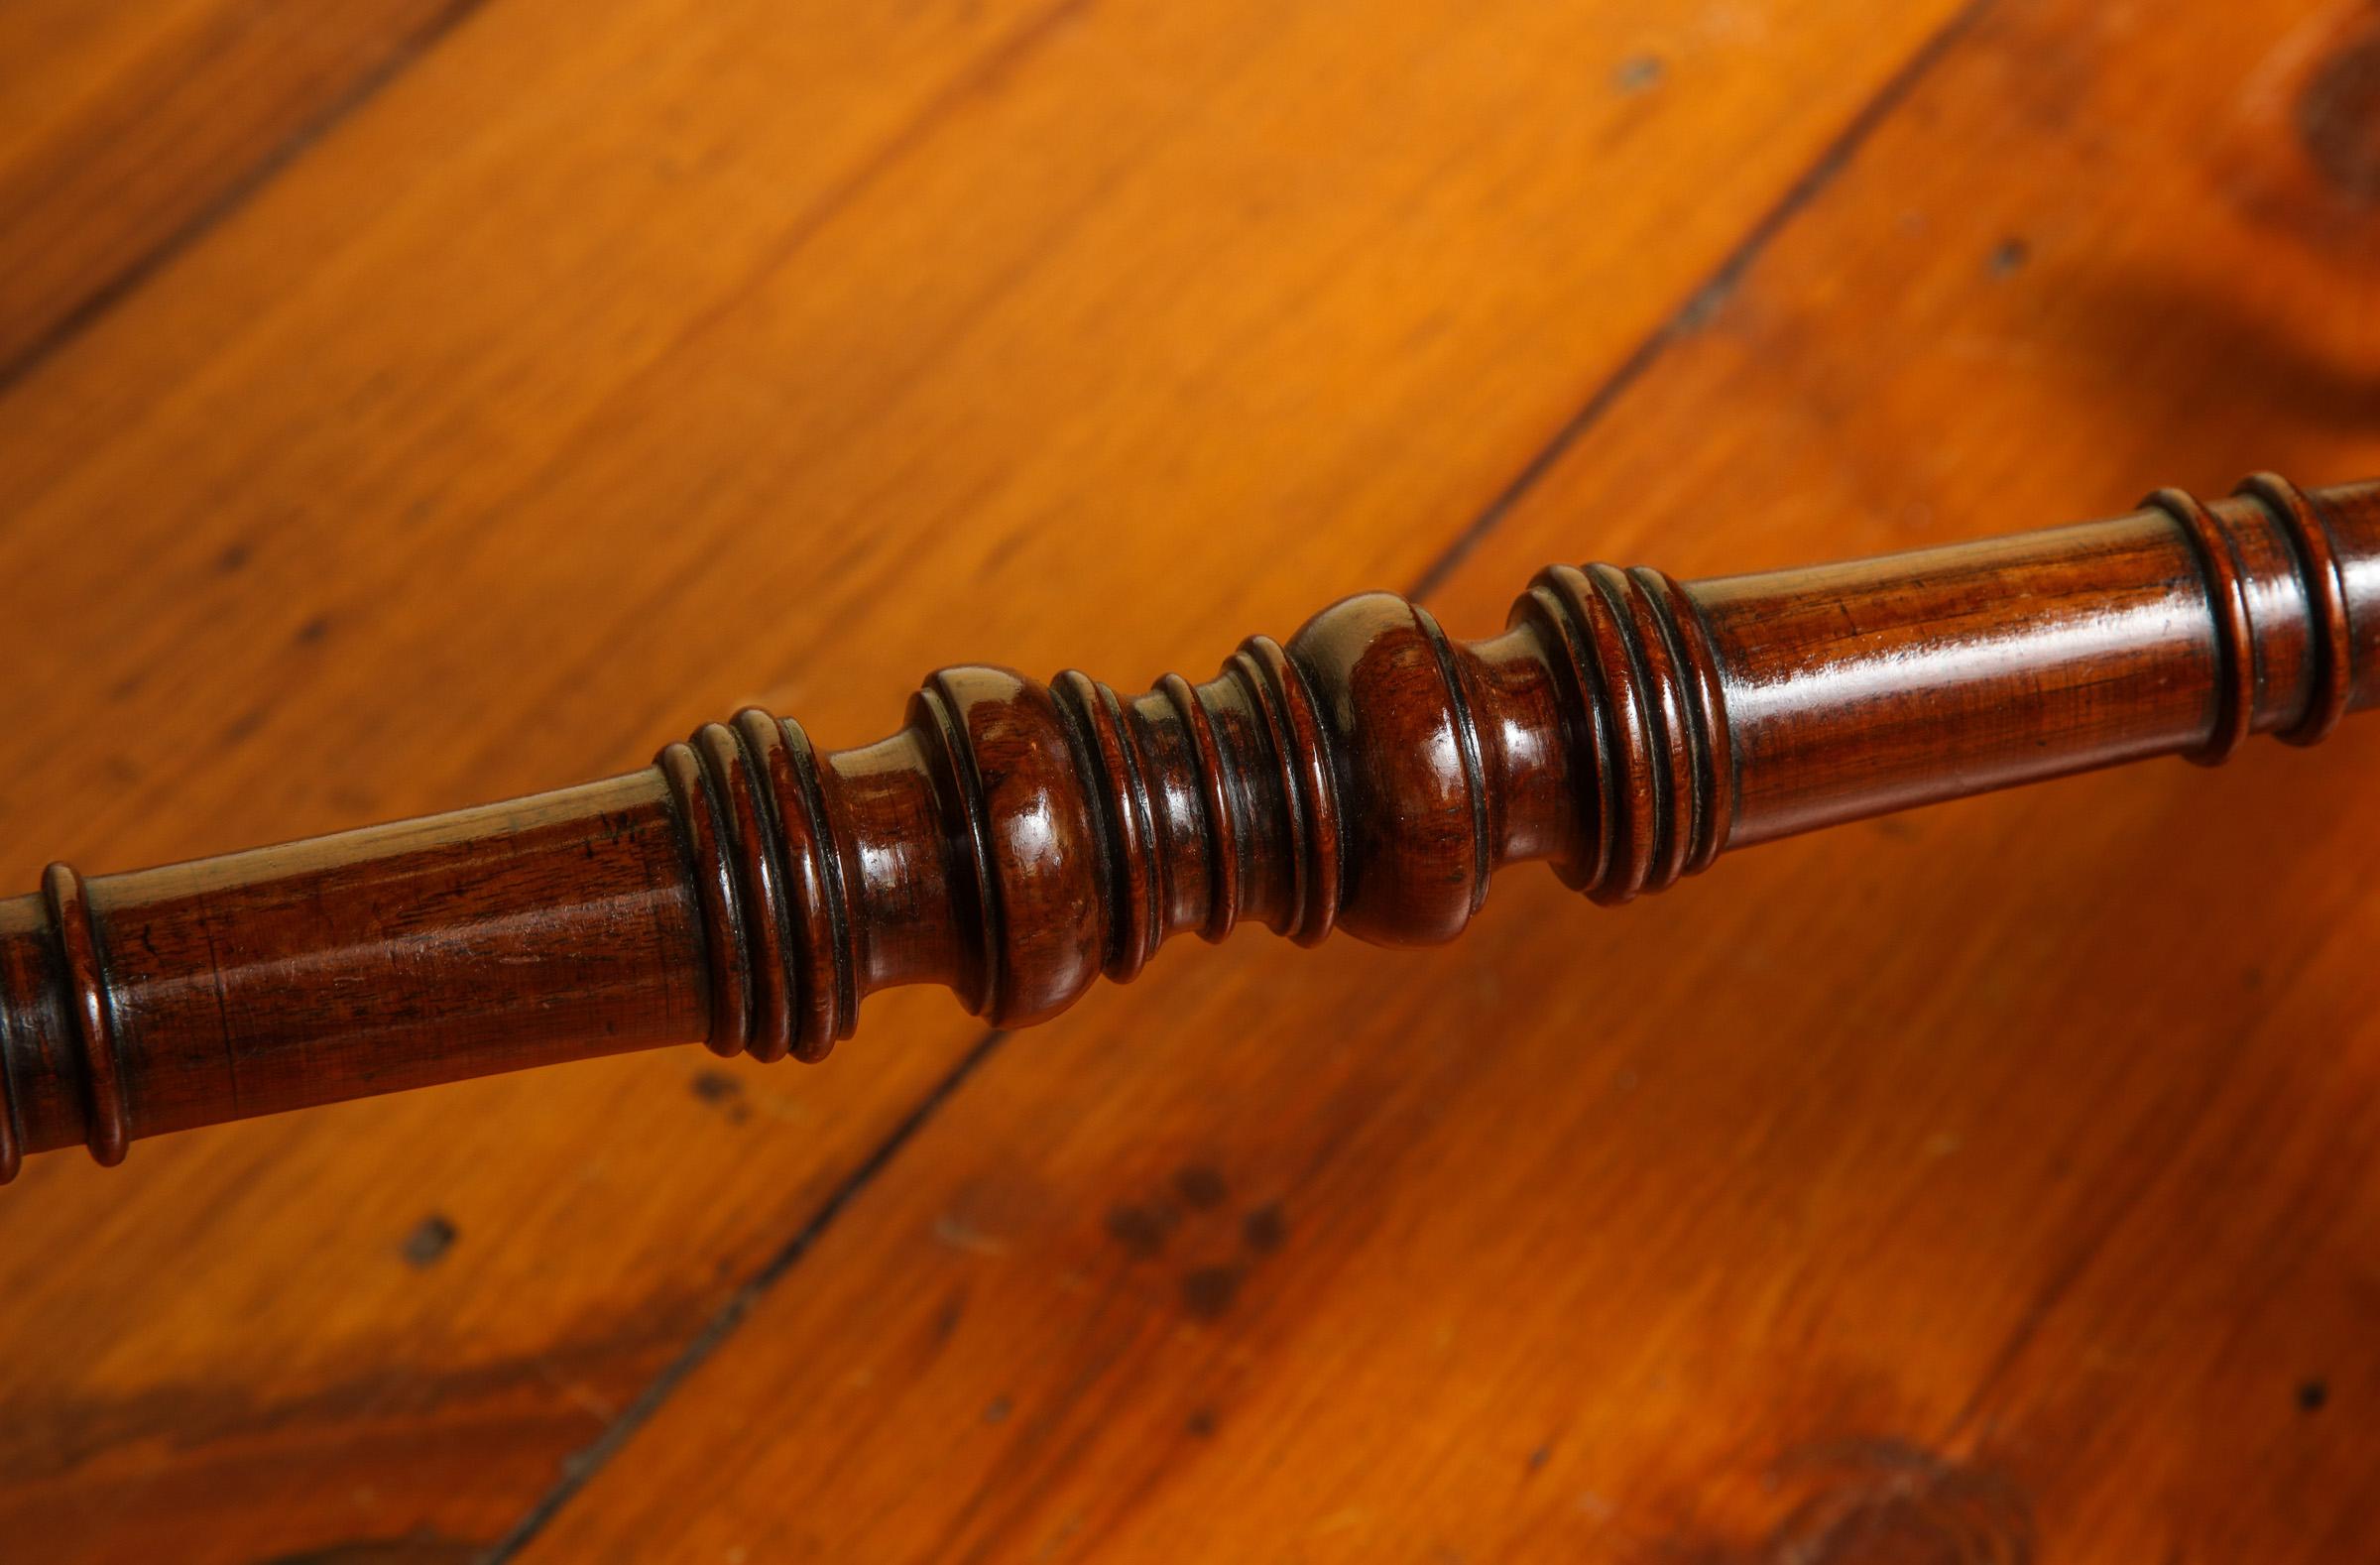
[580, 1469]
[102, 300]
[1707, 294]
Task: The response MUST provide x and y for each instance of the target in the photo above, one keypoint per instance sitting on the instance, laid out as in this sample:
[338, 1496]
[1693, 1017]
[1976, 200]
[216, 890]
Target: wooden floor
[409, 402]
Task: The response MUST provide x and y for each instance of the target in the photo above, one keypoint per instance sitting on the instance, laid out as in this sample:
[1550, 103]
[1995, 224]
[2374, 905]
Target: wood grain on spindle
[1370, 775]
[1013, 842]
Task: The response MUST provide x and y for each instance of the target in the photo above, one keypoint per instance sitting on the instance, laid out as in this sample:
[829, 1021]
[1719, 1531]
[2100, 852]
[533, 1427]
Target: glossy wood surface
[1962, 1204]
[1014, 840]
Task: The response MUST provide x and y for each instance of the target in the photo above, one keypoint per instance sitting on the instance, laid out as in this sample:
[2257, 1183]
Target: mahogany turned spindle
[1016, 841]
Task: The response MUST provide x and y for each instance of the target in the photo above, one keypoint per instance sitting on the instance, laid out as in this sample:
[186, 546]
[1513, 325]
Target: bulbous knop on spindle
[1372, 774]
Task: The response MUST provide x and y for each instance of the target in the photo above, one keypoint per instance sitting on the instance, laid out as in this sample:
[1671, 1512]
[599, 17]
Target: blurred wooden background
[409, 402]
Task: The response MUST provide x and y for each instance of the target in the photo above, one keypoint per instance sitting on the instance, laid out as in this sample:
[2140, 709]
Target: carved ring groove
[2239, 659]
[1641, 686]
[1553, 601]
[1124, 817]
[749, 839]
[837, 935]
[1467, 744]
[2329, 638]
[1223, 827]
[11, 1128]
[108, 1118]
[1673, 768]
[1706, 736]
[1309, 793]
[725, 958]
[966, 798]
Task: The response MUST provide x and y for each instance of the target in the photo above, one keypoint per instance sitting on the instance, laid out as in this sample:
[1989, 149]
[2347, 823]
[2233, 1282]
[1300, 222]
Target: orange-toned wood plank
[1989, 1183]
[611, 368]
[125, 130]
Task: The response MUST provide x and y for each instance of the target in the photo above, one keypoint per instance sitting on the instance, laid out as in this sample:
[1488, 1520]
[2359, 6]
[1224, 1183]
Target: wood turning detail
[1016, 840]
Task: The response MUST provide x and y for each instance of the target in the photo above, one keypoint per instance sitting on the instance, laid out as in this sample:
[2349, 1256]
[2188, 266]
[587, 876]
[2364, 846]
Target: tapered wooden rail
[1016, 841]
